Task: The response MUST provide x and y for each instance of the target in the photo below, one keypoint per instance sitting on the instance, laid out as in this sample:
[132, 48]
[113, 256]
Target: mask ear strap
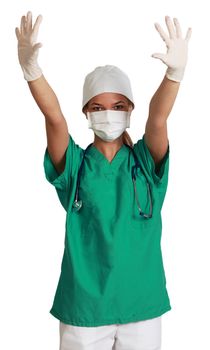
[130, 110]
[128, 117]
[89, 120]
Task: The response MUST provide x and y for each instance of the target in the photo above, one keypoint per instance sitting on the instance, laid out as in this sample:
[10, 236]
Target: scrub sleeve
[63, 183]
[157, 175]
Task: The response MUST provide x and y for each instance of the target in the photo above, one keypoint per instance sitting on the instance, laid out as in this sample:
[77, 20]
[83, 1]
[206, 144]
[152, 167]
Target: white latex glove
[28, 48]
[177, 49]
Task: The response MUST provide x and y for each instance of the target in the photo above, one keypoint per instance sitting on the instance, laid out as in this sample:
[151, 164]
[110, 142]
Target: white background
[78, 36]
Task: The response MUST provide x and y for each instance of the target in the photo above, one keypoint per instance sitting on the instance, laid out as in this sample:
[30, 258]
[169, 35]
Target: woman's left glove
[177, 49]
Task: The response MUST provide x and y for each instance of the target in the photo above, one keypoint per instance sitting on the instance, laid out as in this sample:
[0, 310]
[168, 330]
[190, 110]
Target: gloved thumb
[37, 46]
[160, 56]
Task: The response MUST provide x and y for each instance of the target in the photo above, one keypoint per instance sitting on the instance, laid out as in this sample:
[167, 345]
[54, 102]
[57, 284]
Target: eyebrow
[98, 104]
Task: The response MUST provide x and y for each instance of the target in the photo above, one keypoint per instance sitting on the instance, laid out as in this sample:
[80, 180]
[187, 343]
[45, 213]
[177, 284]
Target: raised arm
[56, 126]
[163, 100]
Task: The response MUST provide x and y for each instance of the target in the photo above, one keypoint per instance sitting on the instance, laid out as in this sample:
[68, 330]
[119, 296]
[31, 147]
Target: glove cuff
[175, 74]
[31, 73]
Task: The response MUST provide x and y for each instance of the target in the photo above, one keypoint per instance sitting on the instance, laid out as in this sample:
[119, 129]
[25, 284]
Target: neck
[109, 149]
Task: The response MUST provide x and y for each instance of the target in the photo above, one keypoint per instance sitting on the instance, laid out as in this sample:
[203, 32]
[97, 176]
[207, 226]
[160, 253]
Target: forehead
[110, 97]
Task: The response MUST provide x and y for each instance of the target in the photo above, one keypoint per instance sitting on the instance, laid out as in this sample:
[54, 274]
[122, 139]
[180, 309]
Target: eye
[97, 108]
[119, 107]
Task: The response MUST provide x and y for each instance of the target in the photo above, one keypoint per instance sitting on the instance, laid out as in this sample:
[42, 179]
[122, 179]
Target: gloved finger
[36, 27]
[22, 25]
[162, 33]
[188, 35]
[17, 32]
[29, 21]
[161, 56]
[178, 28]
[170, 27]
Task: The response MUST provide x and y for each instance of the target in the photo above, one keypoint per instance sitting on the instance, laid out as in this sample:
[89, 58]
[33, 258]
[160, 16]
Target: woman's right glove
[28, 48]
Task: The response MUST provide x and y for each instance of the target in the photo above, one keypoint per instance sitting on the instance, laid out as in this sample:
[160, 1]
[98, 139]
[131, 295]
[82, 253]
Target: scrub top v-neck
[112, 269]
[109, 165]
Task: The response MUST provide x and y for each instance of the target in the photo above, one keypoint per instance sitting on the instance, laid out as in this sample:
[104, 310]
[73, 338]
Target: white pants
[141, 335]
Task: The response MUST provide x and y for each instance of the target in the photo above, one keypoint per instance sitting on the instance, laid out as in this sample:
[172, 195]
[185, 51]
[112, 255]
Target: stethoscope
[77, 204]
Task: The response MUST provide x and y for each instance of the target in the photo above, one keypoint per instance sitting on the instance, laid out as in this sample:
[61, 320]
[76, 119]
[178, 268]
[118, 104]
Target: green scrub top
[112, 268]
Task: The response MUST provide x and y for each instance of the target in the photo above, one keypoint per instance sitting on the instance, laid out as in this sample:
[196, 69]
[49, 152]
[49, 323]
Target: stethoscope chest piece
[77, 205]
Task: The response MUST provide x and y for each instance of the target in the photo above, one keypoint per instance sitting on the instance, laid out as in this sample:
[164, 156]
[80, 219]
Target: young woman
[112, 287]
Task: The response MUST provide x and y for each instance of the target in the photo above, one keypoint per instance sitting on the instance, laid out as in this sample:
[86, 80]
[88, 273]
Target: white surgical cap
[106, 79]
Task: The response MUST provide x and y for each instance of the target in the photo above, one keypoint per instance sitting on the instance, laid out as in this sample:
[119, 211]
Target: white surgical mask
[108, 124]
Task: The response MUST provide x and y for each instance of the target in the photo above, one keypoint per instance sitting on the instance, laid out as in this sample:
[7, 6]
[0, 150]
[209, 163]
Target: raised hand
[28, 48]
[177, 49]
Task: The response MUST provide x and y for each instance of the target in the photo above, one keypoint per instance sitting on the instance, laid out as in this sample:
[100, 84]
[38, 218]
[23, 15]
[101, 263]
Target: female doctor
[112, 287]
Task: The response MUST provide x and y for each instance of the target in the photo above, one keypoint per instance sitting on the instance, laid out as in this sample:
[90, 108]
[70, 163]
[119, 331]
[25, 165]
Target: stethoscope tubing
[78, 203]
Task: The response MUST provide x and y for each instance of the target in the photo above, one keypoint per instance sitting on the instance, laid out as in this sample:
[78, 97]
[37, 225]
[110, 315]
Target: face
[108, 100]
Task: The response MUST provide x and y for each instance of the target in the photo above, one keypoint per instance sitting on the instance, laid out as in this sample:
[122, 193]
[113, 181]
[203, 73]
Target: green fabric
[112, 269]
